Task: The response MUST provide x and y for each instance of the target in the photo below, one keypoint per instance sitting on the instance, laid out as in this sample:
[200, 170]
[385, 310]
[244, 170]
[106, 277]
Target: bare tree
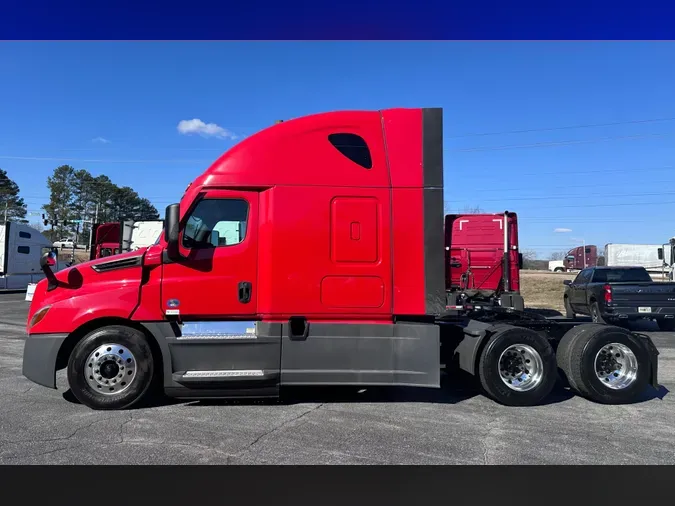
[465, 210]
[529, 255]
[558, 255]
[37, 226]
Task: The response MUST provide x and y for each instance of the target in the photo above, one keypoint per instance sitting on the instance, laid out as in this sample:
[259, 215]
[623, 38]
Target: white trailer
[653, 257]
[140, 234]
[21, 247]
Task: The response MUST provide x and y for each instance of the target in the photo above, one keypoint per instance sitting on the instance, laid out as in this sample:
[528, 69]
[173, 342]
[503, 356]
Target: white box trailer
[653, 257]
[21, 247]
[140, 234]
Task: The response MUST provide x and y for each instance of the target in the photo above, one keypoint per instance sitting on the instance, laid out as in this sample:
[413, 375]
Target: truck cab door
[217, 277]
[578, 291]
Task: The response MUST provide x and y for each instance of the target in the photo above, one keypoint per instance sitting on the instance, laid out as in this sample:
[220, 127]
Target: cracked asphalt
[453, 425]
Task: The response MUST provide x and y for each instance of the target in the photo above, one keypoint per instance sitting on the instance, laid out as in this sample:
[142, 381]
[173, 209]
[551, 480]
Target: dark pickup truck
[616, 294]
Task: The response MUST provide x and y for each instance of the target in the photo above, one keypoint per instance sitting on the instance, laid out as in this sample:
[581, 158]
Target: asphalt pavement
[453, 425]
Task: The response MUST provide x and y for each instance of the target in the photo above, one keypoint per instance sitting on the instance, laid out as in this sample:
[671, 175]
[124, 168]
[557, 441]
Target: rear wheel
[596, 316]
[666, 325]
[517, 367]
[111, 368]
[605, 364]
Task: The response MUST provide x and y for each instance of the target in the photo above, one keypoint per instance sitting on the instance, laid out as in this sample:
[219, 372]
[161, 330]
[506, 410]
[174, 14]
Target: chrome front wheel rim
[616, 366]
[110, 369]
[521, 368]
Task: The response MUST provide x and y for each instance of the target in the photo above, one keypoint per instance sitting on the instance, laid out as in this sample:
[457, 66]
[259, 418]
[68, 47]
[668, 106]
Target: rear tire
[596, 316]
[605, 364]
[517, 367]
[111, 368]
[666, 325]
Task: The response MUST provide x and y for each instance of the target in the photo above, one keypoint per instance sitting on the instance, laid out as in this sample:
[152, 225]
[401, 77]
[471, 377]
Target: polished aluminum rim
[110, 369]
[616, 366]
[521, 367]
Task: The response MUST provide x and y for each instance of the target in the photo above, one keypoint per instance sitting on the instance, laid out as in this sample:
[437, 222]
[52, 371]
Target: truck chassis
[517, 358]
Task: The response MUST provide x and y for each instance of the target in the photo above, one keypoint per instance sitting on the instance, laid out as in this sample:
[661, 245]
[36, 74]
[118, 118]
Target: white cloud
[197, 126]
[562, 230]
[101, 140]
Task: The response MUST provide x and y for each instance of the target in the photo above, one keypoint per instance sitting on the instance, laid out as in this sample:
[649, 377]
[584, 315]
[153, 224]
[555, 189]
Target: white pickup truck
[67, 244]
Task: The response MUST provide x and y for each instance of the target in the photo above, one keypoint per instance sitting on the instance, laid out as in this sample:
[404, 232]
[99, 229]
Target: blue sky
[606, 183]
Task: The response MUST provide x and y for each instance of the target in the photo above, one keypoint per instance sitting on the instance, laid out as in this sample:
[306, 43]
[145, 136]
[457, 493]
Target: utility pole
[72, 255]
[91, 229]
[584, 242]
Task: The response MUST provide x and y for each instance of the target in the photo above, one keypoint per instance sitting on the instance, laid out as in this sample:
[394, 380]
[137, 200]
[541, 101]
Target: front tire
[517, 367]
[569, 312]
[111, 368]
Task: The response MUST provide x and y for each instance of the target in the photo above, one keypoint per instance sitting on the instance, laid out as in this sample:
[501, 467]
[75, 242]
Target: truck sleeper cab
[311, 253]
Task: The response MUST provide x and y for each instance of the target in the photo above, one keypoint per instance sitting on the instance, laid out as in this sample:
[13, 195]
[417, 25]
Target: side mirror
[520, 260]
[567, 282]
[48, 259]
[171, 230]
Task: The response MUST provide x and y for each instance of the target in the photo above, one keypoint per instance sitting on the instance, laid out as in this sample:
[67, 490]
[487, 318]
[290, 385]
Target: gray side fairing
[402, 354]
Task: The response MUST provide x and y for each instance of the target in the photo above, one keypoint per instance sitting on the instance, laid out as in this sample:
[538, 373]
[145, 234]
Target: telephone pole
[91, 228]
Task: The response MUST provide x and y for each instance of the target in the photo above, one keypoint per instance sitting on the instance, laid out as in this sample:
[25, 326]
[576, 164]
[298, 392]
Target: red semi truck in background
[329, 271]
[117, 237]
[576, 259]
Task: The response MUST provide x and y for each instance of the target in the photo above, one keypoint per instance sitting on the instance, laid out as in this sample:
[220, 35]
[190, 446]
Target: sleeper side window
[353, 147]
[215, 223]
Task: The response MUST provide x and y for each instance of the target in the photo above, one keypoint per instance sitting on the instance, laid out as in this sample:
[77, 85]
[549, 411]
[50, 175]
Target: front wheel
[517, 366]
[569, 312]
[111, 368]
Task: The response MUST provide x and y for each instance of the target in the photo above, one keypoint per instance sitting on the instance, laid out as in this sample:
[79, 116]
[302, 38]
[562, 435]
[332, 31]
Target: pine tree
[11, 205]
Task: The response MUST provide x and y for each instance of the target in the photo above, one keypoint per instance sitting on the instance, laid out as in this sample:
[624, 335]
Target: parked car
[619, 294]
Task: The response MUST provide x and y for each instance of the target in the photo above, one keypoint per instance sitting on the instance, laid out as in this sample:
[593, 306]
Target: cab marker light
[39, 316]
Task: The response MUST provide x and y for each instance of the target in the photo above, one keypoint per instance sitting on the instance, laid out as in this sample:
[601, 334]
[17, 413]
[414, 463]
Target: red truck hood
[108, 286]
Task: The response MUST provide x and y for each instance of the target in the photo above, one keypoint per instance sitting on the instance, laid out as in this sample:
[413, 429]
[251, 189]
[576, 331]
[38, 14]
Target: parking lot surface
[453, 425]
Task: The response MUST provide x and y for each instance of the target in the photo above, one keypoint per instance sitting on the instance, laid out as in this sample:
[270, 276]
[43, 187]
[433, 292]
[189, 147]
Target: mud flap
[653, 353]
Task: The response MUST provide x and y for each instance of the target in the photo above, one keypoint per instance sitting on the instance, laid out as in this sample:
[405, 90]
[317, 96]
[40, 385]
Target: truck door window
[216, 222]
[583, 277]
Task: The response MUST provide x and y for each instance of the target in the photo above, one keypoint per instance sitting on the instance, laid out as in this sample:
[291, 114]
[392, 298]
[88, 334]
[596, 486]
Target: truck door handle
[244, 292]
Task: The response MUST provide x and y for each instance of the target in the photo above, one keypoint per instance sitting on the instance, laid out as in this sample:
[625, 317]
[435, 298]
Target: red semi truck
[106, 240]
[311, 253]
[482, 259]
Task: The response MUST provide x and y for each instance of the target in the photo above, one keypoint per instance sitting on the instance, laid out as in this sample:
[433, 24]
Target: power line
[595, 195]
[568, 127]
[92, 160]
[558, 143]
